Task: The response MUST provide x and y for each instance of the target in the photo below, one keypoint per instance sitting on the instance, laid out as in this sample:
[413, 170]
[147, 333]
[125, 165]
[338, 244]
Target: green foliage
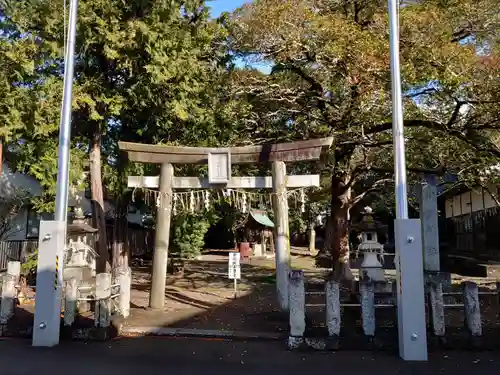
[161, 72]
[331, 77]
[188, 236]
[147, 71]
[39, 160]
[29, 266]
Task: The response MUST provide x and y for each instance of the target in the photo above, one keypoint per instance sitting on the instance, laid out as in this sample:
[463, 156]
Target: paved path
[218, 357]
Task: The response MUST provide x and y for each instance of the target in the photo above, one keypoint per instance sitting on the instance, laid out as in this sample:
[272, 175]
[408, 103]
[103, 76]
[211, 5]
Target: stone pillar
[9, 292]
[297, 306]
[333, 316]
[70, 299]
[430, 229]
[124, 278]
[162, 236]
[367, 291]
[103, 300]
[498, 295]
[472, 309]
[280, 208]
[436, 305]
[263, 242]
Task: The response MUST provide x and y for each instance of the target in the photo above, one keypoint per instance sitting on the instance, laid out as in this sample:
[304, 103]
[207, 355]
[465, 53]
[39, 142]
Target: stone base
[333, 343]
[295, 343]
[443, 278]
[438, 341]
[82, 274]
[373, 343]
[375, 274]
[476, 342]
[316, 343]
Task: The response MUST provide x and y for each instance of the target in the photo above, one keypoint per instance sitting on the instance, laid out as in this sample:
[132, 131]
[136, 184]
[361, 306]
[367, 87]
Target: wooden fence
[138, 241]
[15, 251]
[475, 234]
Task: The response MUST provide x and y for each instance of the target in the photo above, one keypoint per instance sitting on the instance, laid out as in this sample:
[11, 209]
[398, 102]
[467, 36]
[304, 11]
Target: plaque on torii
[219, 167]
[219, 174]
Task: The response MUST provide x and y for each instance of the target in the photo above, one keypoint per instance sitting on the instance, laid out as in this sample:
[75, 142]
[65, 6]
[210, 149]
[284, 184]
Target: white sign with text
[234, 269]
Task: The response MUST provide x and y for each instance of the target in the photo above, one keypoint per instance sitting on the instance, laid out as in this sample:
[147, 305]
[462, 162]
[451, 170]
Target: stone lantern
[371, 268]
[80, 261]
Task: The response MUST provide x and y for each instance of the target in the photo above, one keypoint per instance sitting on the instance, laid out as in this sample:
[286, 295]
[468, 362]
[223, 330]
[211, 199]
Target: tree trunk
[335, 253]
[120, 249]
[98, 212]
[1, 156]
[340, 205]
[120, 254]
[312, 238]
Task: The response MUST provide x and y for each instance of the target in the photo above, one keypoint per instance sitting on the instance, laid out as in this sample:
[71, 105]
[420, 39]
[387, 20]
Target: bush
[28, 268]
[188, 236]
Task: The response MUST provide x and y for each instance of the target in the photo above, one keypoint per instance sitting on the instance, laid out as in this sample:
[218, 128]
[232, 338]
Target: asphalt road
[151, 356]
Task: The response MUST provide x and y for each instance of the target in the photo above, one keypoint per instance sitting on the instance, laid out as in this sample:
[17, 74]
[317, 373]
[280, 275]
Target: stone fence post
[70, 301]
[297, 304]
[103, 300]
[436, 306]
[367, 291]
[124, 278]
[333, 317]
[9, 292]
[472, 310]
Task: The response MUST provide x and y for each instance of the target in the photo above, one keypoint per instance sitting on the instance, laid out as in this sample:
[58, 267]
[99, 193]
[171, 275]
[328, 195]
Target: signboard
[219, 167]
[234, 269]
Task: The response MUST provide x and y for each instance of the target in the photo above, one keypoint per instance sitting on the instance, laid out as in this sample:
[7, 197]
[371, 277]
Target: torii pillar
[220, 160]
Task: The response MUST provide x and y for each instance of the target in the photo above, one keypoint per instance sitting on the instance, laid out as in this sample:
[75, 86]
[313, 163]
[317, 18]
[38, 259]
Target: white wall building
[26, 223]
[469, 201]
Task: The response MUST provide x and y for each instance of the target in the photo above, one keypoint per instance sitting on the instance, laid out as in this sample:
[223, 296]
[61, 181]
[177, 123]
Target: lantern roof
[368, 223]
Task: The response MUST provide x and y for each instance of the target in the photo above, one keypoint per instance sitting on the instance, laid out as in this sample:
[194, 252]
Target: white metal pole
[65, 123]
[397, 114]
[408, 239]
[52, 236]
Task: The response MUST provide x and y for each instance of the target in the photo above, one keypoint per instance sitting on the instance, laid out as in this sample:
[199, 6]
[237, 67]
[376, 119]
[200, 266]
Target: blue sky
[219, 6]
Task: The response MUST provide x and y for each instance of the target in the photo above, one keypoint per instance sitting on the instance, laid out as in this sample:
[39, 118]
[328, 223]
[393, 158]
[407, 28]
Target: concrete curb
[131, 331]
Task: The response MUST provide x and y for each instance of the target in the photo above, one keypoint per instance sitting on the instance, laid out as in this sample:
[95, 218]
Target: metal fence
[15, 250]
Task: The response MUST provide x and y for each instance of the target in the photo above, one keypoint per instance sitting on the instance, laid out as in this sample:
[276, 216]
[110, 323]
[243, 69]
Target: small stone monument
[371, 268]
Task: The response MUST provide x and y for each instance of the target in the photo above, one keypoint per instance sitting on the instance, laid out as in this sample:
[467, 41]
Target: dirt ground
[204, 299]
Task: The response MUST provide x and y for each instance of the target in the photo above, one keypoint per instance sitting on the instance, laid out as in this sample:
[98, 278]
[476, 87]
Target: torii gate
[219, 164]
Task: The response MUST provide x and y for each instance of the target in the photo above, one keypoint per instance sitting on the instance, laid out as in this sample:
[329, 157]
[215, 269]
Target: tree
[331, 77]
[31, 92]
[145, 71]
